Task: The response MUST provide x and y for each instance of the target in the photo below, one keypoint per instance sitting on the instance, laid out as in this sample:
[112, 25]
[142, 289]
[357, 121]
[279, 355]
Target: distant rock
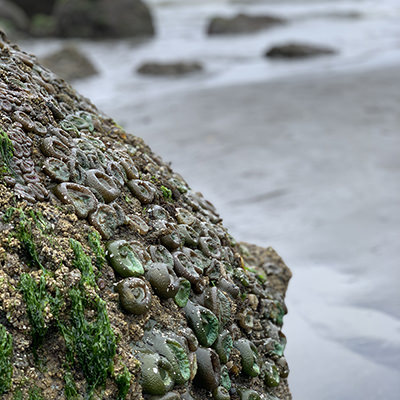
[103, 18]
[33, 7]
[70, 63]
[13, 18]
[169, 69]
[298, 50]
[242, 23]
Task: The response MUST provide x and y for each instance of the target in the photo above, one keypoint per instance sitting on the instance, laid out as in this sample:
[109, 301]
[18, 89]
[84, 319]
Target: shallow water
[326, 199]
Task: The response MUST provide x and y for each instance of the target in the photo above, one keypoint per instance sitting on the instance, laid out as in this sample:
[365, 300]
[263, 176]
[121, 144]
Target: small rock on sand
[70, 63]
[242, 23]
[169, 69]
[298, 50]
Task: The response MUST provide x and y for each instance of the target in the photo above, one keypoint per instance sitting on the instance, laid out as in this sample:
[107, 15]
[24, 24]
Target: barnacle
[156, 374]
[223, 346]
[123, 259]
[203, 322]
[102, 184]
[249, 355]
[138, 224]
[79, 196]
[271, 374]
[210, 246]
[56, 169]
[221, 393]
[53, 147]
[176, 354]
[246, 319]
[159, 254]
[105, 220]
[182, 296]
[134, 295]
[172, 240]
[249, 394]
[161, 280]
[115, 170]
[188, 235]
[184, 216]
[143, 190]
[185, 268]
[208, 368]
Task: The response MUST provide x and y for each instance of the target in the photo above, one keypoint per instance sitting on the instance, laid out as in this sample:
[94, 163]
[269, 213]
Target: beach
[310, 166]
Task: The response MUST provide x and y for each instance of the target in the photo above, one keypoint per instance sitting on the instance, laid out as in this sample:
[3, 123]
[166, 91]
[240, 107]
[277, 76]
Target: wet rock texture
[298, 50]
[116, 279]
[242, 23]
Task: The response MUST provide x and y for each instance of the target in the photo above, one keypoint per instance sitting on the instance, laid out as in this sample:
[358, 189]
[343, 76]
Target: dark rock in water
[12, 17]
[70, 63]
[298, 50]
[114, 274]
[33, 7]
[242, 23]
[171, 69]
[103, 18]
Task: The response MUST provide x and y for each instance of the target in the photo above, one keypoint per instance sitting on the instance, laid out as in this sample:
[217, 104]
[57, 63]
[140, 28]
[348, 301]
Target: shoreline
[309, 166]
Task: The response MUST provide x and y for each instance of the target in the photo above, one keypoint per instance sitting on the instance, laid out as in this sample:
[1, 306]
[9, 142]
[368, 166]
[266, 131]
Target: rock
[12, 17]
[298, 50]
[169, 69]
[70, 63]
[76, 192]
[103, 18]
[32, 7]
[242, 23]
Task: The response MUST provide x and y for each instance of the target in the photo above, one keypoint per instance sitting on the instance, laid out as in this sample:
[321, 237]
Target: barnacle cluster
[147, 272]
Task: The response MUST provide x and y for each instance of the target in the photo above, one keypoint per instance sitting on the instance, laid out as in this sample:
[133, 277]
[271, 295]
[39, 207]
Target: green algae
[123, 381]
[91, 343]
[167, 193]
[36, 300]
[25, 236]
[94, 240]
[6, 152]
[83, 262]
[71, 393]
[35, 394]
[6, 351]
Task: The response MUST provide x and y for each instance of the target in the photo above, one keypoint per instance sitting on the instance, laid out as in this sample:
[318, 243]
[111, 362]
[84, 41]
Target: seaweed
[25, 236]
[84, 263]
[94, 240]
[6, 152]
[70, 390]
[167, 193]
[35, 394]
[36, 300]
[6, 369]
[123, 381]
[91, 343]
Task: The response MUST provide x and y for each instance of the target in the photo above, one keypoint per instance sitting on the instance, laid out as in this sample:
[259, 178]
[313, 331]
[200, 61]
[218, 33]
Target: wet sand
[311, 166]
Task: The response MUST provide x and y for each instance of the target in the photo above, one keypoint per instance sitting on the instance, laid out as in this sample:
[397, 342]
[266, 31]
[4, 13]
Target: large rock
[103, 18]
[114, 274]
[12, 17]
[69, 63]
[33, 7]
[242, 23]
[169, 69]
[298, 50]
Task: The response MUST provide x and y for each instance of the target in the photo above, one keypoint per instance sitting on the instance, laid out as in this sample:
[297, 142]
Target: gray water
[328, 204]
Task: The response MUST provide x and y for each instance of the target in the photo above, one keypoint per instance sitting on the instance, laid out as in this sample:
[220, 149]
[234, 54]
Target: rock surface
[117, 281]
[242, 23]
[171, 69]
[298, 50]
[69, 63]
[103, 18]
